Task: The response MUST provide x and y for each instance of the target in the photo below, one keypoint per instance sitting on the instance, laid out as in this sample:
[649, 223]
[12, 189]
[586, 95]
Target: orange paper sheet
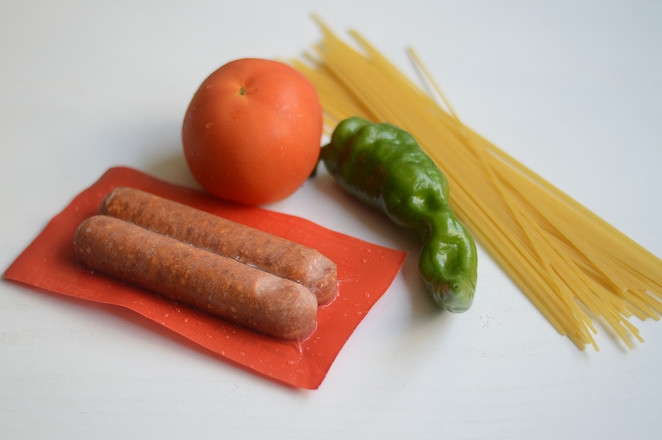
[365, 271]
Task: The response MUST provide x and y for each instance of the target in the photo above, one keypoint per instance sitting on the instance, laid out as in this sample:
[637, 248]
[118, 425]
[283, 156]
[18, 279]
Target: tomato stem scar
[242, 90]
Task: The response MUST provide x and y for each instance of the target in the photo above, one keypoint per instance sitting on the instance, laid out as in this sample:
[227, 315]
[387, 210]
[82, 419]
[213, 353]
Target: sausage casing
[233, 240]
[207, 281]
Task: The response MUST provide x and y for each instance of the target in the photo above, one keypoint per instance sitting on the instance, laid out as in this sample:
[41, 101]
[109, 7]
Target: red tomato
[252, 131]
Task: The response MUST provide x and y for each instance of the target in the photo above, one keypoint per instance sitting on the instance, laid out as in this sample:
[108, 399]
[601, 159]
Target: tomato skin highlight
[252, 131]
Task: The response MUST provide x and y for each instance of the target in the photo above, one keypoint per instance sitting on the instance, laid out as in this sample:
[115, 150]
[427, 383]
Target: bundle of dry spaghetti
[572, 265]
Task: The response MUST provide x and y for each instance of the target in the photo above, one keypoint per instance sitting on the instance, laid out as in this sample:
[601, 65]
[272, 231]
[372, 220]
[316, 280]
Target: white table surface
[571, 88]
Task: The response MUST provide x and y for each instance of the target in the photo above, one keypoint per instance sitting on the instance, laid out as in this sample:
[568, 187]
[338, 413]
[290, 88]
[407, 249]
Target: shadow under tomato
[172, 167]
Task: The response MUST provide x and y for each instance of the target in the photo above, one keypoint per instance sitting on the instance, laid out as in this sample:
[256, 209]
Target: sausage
[233, 240]
[207, 281]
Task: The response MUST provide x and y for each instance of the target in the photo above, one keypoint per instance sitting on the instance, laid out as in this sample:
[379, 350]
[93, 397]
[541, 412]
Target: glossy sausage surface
[233, 240]
[207, 281]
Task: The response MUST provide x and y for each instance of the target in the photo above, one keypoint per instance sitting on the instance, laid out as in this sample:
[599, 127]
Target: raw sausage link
[207, 281]
[233, 240]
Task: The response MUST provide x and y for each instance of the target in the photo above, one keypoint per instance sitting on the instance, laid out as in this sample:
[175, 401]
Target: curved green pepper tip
[455, 298]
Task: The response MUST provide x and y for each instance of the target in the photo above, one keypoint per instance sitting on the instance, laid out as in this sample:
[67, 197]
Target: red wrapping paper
[365, 271]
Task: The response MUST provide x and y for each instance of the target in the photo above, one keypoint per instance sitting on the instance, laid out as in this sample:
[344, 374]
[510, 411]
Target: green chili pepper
[383, 166]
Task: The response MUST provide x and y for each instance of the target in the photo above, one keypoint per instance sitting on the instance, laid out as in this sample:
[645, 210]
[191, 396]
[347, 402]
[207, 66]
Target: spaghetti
[572, 265]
